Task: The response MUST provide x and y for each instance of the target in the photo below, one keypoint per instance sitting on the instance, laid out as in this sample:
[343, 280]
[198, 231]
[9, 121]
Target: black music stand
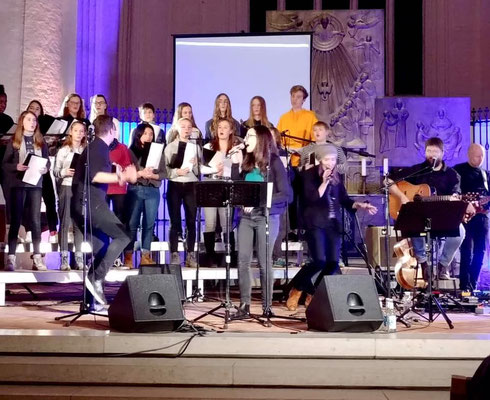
[430, 219]
[228, 194]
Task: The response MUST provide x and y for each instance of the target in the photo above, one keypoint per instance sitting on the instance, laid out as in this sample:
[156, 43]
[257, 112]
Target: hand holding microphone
[236, 149]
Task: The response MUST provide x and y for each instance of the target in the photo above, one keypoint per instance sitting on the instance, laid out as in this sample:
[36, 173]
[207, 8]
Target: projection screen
[241, 66]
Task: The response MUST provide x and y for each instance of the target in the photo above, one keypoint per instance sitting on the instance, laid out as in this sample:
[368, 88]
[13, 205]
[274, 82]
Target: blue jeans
[249, 224]
[450, 248]
[142, 200]
[324, 249]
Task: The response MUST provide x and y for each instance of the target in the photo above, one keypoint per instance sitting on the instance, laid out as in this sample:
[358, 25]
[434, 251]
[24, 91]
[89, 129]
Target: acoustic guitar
[423, 192]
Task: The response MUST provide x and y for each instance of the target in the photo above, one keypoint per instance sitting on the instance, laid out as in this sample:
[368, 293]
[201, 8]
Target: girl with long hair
[260, 164]
[184, 110]
[73, 108]
[257, 115]
[223, 142]
[143, 197]
[222, 110]
[63, 171]
[49, 195]
[27, 140]
[324, 195]
[180, 191]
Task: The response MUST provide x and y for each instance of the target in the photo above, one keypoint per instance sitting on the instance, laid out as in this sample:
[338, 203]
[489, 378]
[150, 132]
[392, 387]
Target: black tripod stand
[228, 194]
[431, 219]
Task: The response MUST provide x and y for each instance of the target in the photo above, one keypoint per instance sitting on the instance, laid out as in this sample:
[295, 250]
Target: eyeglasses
[75, 103]
[100, 103]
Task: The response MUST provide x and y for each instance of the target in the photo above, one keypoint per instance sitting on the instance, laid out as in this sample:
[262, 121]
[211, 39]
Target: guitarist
[444, 181]
[474, 179]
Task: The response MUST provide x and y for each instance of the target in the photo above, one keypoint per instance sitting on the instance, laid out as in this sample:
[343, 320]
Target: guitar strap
[485, 179]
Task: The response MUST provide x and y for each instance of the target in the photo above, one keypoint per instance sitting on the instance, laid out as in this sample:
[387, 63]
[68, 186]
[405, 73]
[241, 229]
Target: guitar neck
[436, 198]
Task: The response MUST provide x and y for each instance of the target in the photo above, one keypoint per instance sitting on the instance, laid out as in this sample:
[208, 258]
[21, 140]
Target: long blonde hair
[19, 132]
[69, 139]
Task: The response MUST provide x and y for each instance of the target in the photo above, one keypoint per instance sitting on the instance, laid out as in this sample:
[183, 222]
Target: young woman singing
[324, 196]
[180, 191]
[260, 164]
[63, 171]
[223, 143]
[143, 197]
[27, 140]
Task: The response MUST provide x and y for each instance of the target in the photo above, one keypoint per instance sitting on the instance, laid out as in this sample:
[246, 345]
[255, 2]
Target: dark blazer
[316, 207]
[9, 166]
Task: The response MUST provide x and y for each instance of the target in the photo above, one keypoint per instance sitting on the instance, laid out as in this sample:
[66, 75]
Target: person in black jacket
[324, 196]
[260, 165]
[27, 140]
[474, 179]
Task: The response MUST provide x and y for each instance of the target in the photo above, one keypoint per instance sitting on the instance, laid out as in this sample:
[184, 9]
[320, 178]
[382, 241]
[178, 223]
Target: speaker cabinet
[345, 303]
[375, 242]
[147, 303]
[169, 269]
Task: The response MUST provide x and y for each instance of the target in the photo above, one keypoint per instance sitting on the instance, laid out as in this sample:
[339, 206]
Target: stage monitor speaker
[346, 303]
[169, 269]
[147, 303]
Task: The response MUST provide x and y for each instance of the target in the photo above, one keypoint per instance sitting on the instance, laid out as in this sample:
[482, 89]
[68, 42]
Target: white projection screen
[242, 66]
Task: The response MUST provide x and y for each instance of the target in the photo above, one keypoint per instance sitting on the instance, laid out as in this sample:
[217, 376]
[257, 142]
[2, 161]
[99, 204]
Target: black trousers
[29, 200]
[324, 249]
[472, 251]
[119, 206]
[105, 226]
[178, 194]
[49, 198]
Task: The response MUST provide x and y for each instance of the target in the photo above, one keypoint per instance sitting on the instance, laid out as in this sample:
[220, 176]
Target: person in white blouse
[63, 172]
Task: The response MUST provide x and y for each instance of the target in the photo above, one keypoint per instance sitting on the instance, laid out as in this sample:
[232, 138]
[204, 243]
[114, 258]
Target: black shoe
[243, 312]
[268, 313]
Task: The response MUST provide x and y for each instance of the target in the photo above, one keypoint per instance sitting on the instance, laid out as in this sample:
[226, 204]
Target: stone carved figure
[442, 127]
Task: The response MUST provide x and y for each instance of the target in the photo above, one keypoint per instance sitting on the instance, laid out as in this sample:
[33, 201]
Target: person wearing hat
[324, 196]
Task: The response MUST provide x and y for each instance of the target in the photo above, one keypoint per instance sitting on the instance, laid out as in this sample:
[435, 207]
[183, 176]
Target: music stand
[430, 219]
[227, 194]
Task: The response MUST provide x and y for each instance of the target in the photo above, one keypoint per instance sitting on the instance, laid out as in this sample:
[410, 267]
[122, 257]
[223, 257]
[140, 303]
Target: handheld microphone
[237, 149]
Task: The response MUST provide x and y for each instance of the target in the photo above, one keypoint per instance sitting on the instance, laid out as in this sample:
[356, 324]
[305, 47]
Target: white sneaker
[10, 266]
[38, 263]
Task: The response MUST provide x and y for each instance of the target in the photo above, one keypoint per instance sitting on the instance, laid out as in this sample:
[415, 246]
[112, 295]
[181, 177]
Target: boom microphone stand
[87, 222]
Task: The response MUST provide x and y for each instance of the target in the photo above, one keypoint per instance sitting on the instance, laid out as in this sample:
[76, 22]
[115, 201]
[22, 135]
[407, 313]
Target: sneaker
[97, 308]
[79, 265]
[96, 289]
[65, 264]
[243, 312]
[10, 265]
[175, 258]
[280, 262]
[190, 261]
[53, 237]
[38, 263]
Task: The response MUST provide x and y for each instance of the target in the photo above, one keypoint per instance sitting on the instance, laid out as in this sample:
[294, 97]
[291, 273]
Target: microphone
[434, 163]
[90, 132]
[283, 132]
[237, 149]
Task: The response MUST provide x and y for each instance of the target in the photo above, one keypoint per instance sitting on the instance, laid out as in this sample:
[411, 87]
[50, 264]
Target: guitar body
[407, 274]
[410, 191]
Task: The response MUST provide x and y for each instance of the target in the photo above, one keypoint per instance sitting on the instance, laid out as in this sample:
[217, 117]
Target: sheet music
[227, 167]
[58, 127]
[189, 154]
[33, 174]
[284, 160]
[154, 155]
[217, 158]
[156, 129]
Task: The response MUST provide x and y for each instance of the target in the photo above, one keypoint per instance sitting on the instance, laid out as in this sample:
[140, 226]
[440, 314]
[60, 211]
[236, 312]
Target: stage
[247, 360]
